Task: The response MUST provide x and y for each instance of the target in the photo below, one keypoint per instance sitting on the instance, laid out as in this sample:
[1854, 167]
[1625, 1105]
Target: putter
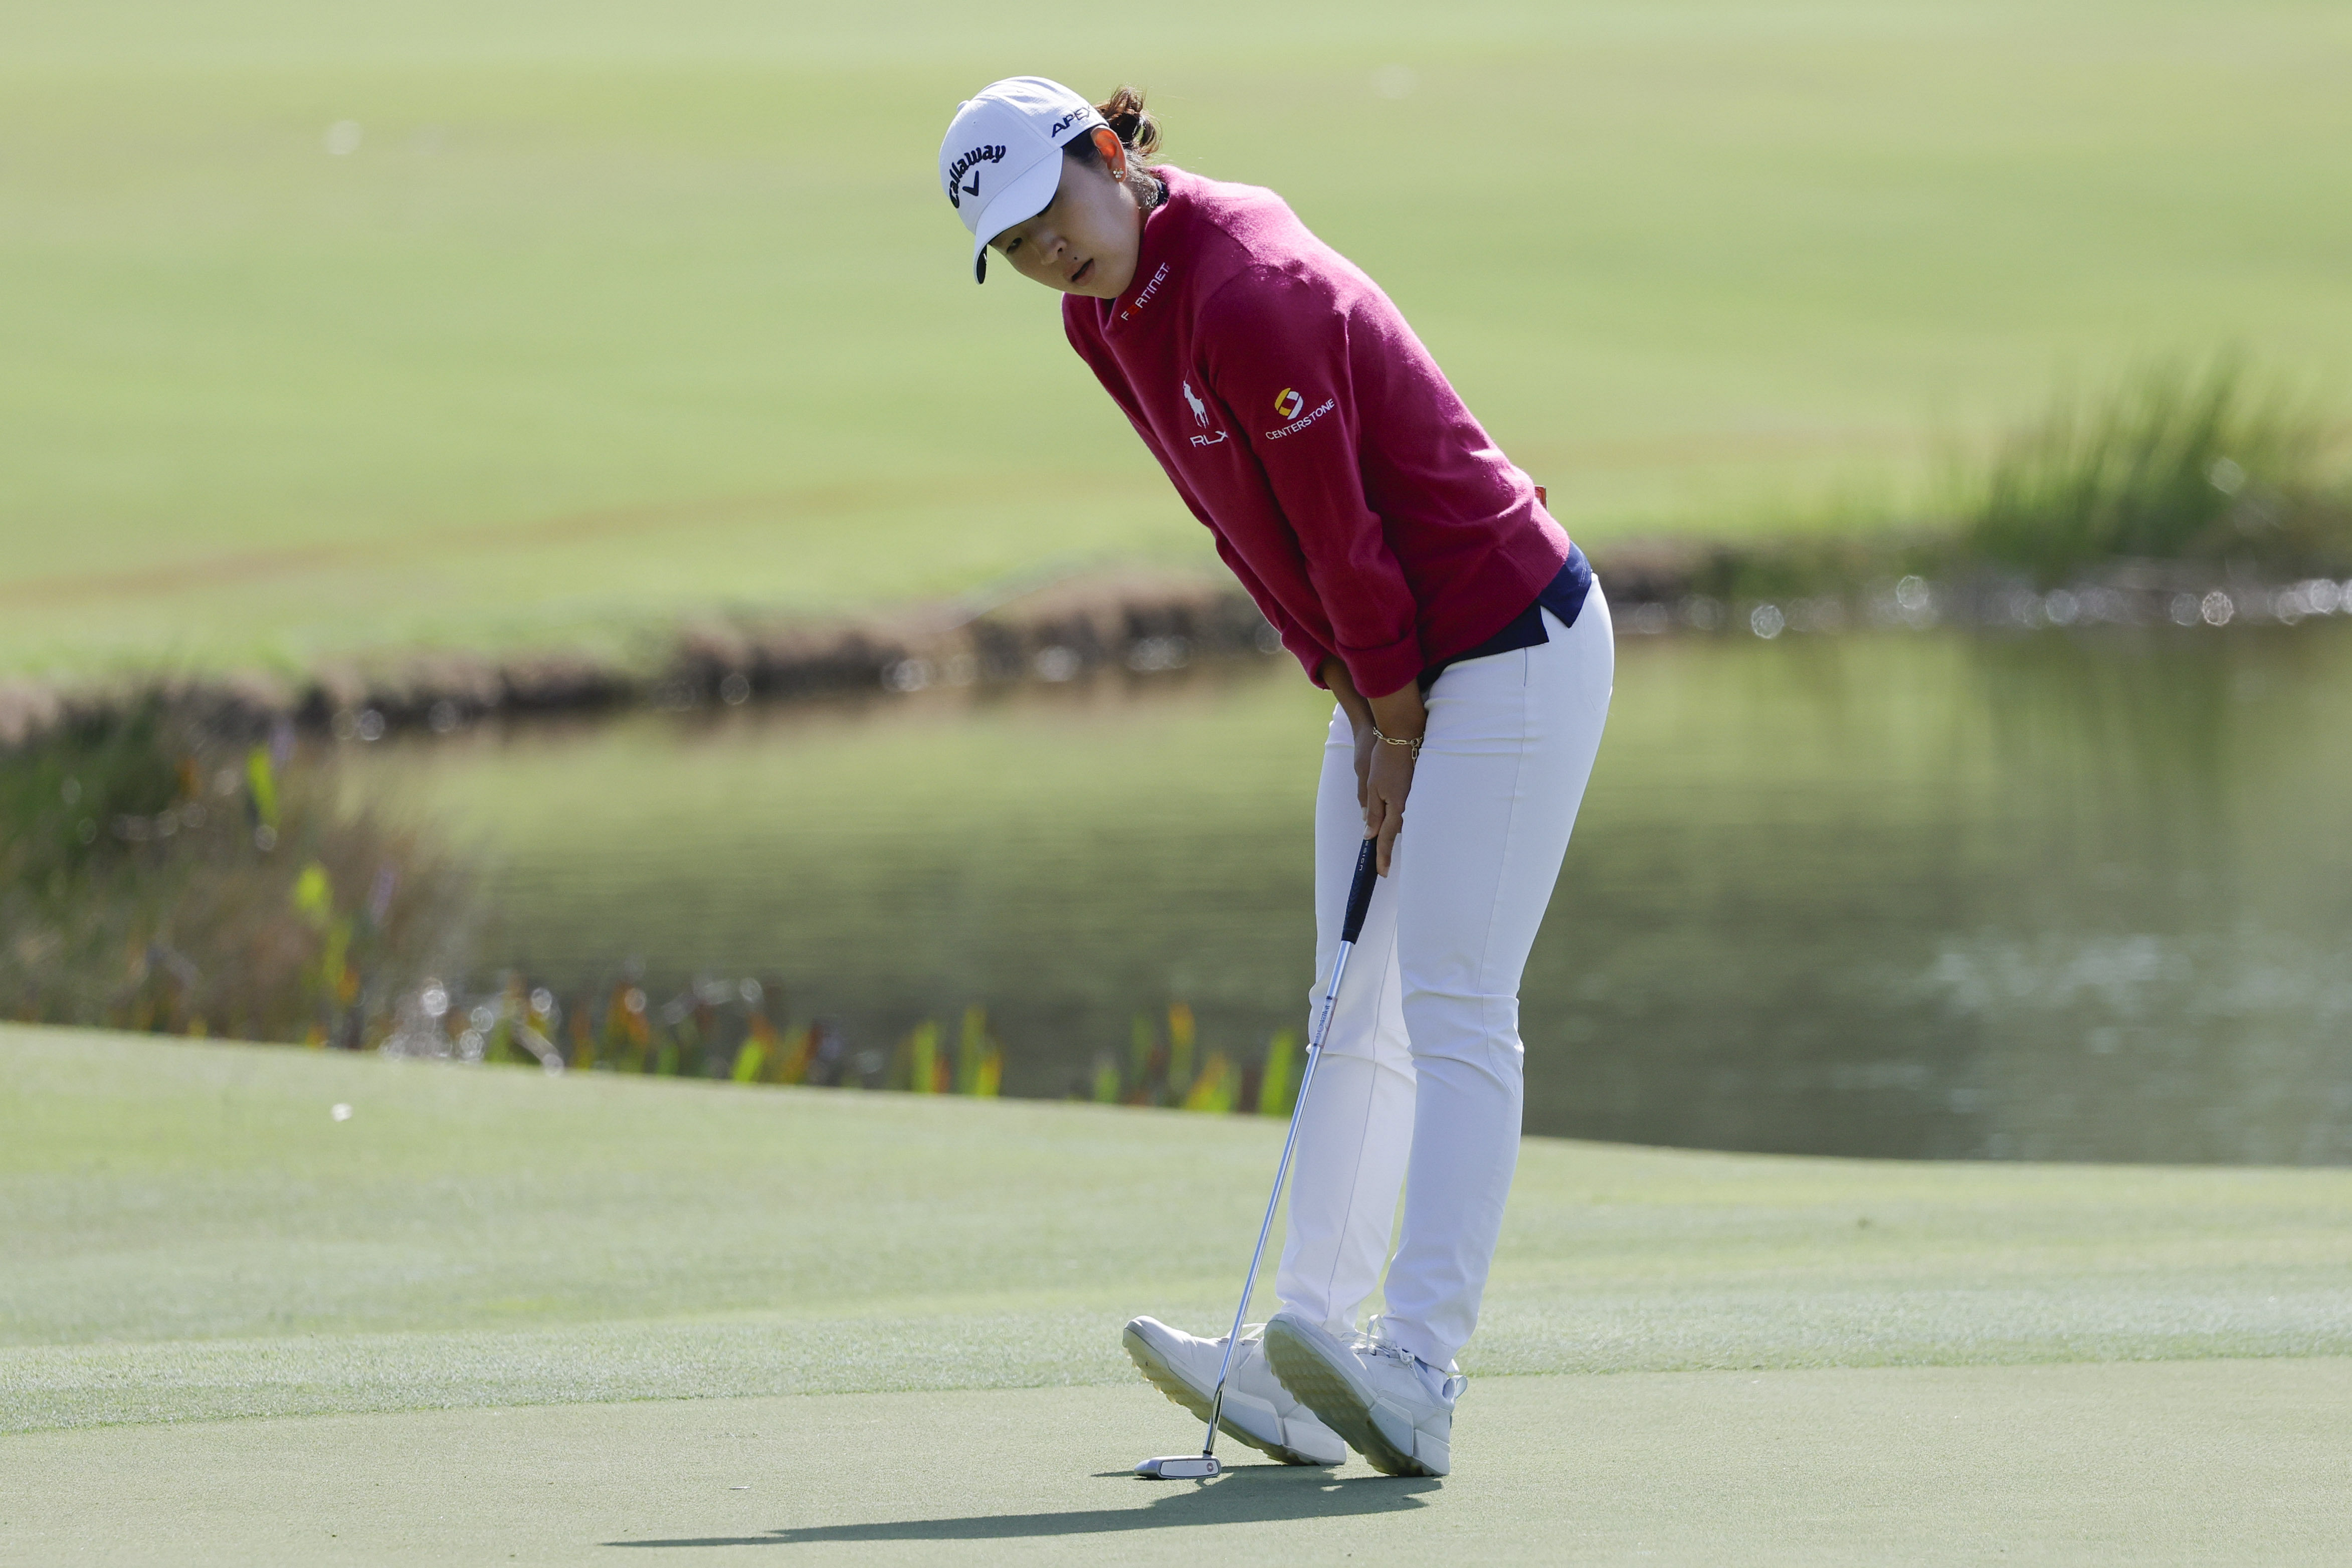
[1204, 1466]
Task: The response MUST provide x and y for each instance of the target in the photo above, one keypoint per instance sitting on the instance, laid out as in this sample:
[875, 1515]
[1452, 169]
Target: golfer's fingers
[1392, 824]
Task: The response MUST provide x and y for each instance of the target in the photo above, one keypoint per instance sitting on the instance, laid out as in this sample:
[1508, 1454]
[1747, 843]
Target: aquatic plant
[1154, 1073]
[158, 876]
[2175, 464]
[1277, 1088]
[723, 1029]
[2179, 479]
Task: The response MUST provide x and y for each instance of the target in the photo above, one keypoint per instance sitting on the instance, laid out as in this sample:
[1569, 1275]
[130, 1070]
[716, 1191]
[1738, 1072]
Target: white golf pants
[1420, 1083]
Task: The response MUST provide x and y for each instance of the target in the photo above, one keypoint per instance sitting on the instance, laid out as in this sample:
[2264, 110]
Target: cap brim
[1030, 194]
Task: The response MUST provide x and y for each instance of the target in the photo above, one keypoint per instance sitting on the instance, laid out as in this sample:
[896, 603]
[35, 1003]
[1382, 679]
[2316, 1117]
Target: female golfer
[1414, 572]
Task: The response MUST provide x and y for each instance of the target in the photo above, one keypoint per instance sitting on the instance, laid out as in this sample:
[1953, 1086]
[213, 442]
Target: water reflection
[2057, 896]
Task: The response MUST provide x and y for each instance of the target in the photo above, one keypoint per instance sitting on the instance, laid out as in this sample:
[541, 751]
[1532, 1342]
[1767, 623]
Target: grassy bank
[578, 330]
[2184, 493]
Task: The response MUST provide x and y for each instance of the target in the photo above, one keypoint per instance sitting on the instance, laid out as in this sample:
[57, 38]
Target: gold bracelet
[1392, 740]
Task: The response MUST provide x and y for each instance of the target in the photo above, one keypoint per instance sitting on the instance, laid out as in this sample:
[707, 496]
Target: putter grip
[1360, 891]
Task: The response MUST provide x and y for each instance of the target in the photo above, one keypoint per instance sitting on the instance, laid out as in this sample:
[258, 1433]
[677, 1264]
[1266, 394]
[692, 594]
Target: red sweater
[1348, 487]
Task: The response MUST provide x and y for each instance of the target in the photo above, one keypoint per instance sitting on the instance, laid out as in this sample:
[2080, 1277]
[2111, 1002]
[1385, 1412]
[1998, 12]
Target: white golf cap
[1001, 161]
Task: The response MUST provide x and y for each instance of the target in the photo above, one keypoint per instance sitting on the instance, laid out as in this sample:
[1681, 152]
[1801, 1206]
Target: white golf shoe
[1258, 1409]
[1391, 1406]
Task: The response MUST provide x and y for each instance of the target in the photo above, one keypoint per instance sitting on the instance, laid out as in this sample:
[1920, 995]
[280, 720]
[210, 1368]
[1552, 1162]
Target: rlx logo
[1200, 417]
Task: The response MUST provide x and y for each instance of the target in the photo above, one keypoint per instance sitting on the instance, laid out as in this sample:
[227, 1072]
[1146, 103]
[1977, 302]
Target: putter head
[1179, 1468]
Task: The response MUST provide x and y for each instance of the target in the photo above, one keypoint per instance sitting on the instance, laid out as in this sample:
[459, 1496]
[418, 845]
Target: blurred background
[523, 545]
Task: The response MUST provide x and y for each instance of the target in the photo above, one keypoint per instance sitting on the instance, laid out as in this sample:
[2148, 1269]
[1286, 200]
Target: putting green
[492, 1311]
[501, 324]
[2133, 1463]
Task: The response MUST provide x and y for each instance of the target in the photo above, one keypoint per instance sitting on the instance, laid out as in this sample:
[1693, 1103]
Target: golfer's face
[1085, 241]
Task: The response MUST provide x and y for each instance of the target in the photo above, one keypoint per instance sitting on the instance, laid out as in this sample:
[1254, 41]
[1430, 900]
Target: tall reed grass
[2177, 463]
[2209, 469]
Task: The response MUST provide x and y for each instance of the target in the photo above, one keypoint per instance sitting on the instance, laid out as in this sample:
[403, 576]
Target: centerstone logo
[1288, 404]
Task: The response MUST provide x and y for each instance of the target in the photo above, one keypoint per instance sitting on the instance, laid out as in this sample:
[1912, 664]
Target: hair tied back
[1133, 124]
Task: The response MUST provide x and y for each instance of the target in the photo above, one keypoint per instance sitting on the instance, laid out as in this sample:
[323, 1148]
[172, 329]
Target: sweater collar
[1157, 267]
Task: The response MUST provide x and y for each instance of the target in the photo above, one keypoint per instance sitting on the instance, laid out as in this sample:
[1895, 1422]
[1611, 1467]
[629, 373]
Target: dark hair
[1132, 124]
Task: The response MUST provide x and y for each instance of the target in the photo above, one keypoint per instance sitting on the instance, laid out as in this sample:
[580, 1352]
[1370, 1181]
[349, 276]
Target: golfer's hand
[1387, 781]
[1389, 778]
[1359, 718]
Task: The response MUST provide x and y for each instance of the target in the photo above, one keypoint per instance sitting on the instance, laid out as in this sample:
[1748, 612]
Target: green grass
[2125, 1464]
[192, 1237]
[615, 316]
[493, 1316]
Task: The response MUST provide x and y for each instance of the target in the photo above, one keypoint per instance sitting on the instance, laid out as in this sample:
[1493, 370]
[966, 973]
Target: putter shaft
[1359, 898]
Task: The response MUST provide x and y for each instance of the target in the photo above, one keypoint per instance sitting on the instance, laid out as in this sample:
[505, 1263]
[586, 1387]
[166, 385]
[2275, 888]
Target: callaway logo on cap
[1001, 161]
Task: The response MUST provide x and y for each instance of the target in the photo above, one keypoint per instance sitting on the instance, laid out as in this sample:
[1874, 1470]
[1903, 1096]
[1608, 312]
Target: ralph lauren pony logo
[1200, 417]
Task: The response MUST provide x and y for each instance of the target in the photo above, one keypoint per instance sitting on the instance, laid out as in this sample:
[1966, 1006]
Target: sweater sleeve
[1302, 644]
[1279, 354]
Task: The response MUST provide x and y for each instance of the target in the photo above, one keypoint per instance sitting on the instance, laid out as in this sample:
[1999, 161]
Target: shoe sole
[1336, 1400]
[1163, 1377]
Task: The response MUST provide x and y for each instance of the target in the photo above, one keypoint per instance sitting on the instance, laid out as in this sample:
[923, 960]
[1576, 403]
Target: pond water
[2080, 896]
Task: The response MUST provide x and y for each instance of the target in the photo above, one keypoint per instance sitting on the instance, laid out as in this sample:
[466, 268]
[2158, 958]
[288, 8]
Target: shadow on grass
[1256, 1494]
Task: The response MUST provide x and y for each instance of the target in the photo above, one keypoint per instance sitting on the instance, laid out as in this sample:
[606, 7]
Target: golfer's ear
[1107, 143]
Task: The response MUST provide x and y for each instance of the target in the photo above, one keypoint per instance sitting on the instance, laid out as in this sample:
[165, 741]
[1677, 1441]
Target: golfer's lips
[1078, 273]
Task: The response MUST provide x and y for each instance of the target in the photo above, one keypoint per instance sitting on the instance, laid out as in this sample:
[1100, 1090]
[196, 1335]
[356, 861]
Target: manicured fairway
[492, 1311]
[332, 327]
